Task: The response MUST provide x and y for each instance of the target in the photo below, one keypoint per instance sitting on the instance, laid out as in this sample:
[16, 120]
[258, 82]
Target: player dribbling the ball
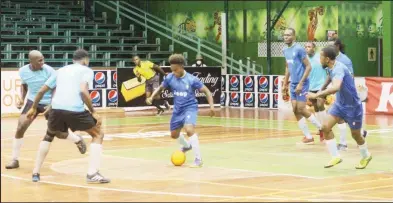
[185, 110]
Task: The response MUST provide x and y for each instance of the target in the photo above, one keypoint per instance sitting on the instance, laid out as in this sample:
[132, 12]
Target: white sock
[303, 126]
[16, 145]
[72, 137]
[332, 147]
[41, 154]
[95, 158]
[343, 133]
[364, 150]
[182, 140]
[315, 121]
[195, 146]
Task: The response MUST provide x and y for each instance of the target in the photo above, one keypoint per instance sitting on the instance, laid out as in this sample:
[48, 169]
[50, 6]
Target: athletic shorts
[61, 120]
[40, 108]
[353, 115]
[153, 83]
[303, 93]
[181, 118]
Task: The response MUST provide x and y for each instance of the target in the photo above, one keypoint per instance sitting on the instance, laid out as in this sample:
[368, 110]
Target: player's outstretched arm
[327, 82]
[86, 96]
[149, 100]
[209, 98]
[336, 85]
[157, 68]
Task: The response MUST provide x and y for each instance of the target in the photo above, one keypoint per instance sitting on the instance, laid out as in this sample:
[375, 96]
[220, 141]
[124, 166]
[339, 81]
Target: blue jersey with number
[347, 95]
[183, 90]
[294, 56]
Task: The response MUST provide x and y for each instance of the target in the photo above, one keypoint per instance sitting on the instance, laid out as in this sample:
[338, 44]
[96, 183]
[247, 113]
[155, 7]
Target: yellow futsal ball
[178, 158]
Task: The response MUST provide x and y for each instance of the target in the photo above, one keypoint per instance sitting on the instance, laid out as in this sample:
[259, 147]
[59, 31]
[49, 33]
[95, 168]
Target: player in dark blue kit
[347, 107]
[298, 67]
[185, 109]
[341, 57]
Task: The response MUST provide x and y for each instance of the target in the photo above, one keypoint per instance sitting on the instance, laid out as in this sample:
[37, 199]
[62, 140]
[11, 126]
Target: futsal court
[249, 155]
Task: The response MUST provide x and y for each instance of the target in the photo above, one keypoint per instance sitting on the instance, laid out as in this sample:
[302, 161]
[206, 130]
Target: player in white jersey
[33, 76]
[68, 112]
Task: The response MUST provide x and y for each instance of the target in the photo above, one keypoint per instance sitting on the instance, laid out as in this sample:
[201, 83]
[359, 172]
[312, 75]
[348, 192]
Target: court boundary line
[176, 193]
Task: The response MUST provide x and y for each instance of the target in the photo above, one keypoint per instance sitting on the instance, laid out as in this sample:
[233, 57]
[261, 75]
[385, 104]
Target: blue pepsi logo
[263, 82]
[249, 98]
[248, 81]
[112, 96]
[234, 97]
[95, 96]
[263, 98]
[100, 77]
[234, 81]
[222, 97]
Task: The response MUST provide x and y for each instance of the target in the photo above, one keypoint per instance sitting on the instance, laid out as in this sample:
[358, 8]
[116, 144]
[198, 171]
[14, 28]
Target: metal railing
[189, 41]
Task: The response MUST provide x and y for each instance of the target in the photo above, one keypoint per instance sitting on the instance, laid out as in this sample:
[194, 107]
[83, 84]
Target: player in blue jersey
[68, 112]
[347, 107]
[33, 77]
[317, 78]
[341, 57]
[298, 68]
[185, 110]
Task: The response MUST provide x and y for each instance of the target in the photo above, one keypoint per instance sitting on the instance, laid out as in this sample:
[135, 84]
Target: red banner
[380, 95]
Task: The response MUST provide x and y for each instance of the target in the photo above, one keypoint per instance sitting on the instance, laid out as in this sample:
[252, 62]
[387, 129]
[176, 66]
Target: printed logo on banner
[248, 83]
[114, 79]
[223, 98]
[99, 79]
[111, 98]
[263, 84]
[263, 100]
[96, 98]
[234, 83]
[249, 99]
[275, 84]
[275, 100]
[223, 83]
[234, 99]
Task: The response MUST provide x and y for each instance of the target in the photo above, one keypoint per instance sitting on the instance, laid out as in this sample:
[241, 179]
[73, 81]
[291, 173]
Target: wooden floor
[249, 155]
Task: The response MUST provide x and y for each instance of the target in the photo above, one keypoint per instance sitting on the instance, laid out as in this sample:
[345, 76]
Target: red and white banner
[380, 95]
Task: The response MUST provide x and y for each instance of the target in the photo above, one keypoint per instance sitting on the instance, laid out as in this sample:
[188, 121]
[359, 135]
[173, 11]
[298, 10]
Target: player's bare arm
[336, 85]
[157, 68]
[209, 98]
[23, 93]
[327, 82]
[307, 64]
[149, 100]
[286, 78]
[32, 111]
[87, 100]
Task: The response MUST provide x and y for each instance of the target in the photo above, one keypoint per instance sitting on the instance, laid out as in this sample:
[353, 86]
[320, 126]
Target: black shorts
[40, 108]
[316, 91]
[61, 120]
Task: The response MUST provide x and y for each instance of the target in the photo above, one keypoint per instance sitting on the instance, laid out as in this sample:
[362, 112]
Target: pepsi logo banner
[248, 83]
[275, 83]
[263, 100]
[249, 99]
[100, 80]
[263, 84]
[223, 99]
[234, 82]
[234, 99]
[111, 98]
[114, 79]
[223, 82]
[96, 97]
[275, 101]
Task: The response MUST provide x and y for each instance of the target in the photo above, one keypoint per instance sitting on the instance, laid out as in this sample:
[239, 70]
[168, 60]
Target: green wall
[354, 20]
